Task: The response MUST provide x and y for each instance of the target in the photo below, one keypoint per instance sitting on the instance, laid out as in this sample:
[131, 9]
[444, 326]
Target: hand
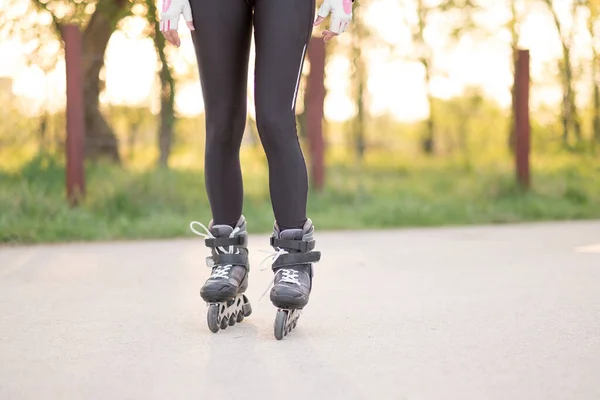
[341, 16]
[170, 16]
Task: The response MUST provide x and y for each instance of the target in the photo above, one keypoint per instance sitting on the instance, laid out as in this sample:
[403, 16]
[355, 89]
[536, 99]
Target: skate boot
[293, 269]
[224, 290]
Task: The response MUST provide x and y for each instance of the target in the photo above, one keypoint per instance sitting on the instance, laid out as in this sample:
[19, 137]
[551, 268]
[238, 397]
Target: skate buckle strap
[299, 245]
[286, 260]
[241, 240]
[227, 259]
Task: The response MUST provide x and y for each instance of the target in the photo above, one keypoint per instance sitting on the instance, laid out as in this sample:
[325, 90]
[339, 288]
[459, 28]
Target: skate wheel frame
[285, 322]
[227, 313]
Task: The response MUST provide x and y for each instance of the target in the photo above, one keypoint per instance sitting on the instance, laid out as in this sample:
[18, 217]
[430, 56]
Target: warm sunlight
[395, 82]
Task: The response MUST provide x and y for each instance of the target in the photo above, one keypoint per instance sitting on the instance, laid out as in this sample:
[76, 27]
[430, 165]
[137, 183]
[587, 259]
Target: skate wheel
[224, 323]
[212, 317]
[246, 307]
[240, 316]
[232, 320]
[280, 323]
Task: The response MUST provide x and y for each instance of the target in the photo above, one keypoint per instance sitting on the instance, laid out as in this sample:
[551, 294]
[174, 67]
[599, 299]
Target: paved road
[510, 312]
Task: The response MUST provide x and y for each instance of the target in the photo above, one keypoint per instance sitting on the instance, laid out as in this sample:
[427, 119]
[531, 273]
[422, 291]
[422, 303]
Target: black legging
[222, 38]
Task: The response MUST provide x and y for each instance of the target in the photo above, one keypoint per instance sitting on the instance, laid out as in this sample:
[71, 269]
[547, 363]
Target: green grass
[126, 204]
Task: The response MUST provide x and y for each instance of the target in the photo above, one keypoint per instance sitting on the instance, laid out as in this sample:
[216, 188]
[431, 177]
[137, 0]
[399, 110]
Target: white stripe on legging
[298, 79]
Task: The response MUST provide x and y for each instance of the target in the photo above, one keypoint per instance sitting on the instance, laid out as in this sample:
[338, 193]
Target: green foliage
[390, 191]
[470, 180]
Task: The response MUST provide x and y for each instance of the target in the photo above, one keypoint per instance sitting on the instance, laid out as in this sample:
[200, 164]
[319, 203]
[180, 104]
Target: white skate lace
[287, 275]
[220, 271]
[290, 276]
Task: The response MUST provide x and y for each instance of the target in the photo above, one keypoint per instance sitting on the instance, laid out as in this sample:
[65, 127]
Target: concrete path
[508, 312]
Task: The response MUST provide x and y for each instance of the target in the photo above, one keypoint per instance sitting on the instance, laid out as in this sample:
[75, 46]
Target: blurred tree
[514, 27]
[425, 57]
[472, 124]
[98, 20]
[167, 87]
[418, 20]
[131, 123]
[569, 114]
[465, 109]
[16, 20]
[360, 35]
[518, 12]
[593, 26]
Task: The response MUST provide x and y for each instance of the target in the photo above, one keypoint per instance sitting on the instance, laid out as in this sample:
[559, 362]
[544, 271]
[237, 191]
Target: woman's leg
[222, 42]
[282, 31]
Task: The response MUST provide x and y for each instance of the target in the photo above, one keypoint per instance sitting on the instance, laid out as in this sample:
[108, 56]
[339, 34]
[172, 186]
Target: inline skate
[224, 290]
[293, 268]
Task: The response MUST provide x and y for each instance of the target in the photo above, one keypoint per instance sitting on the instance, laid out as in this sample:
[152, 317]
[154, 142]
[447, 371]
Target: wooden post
[75, 143]
[315, 101]
[522, 125]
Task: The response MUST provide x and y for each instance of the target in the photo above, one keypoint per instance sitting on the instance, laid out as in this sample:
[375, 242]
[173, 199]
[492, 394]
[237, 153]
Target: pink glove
[172, 10]
[341, 16]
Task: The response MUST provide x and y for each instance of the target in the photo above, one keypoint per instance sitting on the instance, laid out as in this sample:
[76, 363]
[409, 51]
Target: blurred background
[416, 130]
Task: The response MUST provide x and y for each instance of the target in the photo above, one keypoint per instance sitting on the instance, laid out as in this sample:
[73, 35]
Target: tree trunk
[359, 127]
[572, 114]
[167, 106]
[167, 90]
[514, 35]
[565, 107]
[564, 119]
[428, 141]
[570, 118]
[596, 101]
[596, 114]
[359, 81]
[101, 141]
[133, 134]
[595, 84]
[43, 132]
[425, 58]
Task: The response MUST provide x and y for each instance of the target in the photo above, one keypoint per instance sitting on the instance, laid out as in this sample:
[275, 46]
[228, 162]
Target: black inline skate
[293, 267]
[224, 289]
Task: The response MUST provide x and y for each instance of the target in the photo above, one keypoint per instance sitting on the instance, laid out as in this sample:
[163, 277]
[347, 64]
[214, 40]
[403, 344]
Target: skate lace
[220, 271]
[287, 275]
[273, 256]
[290, 276]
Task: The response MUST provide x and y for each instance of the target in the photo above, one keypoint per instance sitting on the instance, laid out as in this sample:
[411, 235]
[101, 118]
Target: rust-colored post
[522, 125]
[315, 101]
[75, 149]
